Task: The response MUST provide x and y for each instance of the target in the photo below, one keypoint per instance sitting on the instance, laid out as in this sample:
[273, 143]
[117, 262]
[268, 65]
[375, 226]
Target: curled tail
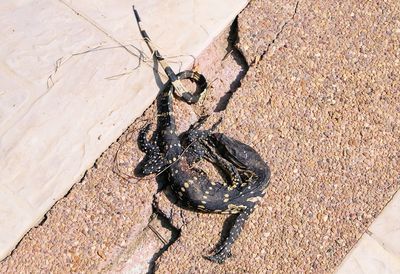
[174, 79]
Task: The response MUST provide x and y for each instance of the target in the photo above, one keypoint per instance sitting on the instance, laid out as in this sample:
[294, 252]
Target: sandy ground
[320, 102]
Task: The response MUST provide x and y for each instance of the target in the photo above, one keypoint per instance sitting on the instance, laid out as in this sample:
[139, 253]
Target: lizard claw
[219, 257]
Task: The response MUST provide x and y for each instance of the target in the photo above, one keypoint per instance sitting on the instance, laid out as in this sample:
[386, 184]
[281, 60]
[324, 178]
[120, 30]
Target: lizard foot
[220, 255]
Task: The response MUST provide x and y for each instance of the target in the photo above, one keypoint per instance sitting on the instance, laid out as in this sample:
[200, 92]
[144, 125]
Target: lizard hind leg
[223, 251]
[154, 161]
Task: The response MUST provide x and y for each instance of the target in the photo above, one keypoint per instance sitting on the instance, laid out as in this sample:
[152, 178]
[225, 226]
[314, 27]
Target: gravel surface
[320, 102]
[322, 105]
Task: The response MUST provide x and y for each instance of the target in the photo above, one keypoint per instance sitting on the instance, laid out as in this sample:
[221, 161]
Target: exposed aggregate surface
[323, 108]
[321, 104]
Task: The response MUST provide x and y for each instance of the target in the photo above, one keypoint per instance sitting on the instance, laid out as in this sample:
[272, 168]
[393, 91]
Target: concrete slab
[378, 250]
[386, 228]
[68, 89]
[369, 257]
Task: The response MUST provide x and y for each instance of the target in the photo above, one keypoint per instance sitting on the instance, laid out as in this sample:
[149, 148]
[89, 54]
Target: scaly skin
[248, 176]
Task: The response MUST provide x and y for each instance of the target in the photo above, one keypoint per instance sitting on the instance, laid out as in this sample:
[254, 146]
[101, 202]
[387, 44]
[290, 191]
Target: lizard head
[240, 154]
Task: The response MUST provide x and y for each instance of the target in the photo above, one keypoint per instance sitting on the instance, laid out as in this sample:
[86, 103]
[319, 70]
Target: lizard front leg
[154, 161]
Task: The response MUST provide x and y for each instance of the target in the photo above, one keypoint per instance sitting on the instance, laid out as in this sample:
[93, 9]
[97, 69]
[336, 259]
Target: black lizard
[247, 174]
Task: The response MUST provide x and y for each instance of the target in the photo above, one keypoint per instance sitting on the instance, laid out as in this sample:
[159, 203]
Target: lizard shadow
[156, 73]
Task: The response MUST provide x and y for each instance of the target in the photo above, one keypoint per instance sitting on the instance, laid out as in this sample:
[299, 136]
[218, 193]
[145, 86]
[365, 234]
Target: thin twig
[158, 234]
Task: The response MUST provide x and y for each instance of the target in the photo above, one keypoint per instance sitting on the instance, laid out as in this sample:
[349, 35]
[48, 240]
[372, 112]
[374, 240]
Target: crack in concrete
[221, 106]
[258, 58]
[94, 24]
[175, 233]
[233, 49]
[223, 103]
[240, 59]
